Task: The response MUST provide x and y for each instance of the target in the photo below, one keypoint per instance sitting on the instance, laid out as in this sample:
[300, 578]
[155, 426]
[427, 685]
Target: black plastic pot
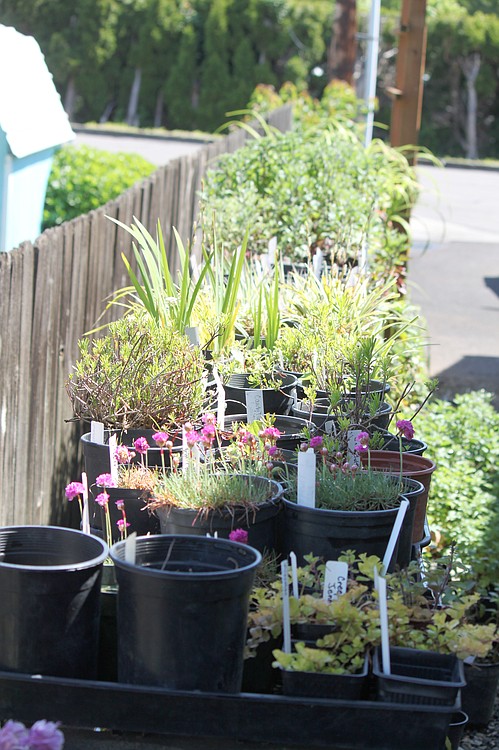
[457, 725]
[259, 522]
[412, 490]
[479, 695]
[182, 612]
[50, 600]
[275, 401]
[422, 677]
[320, 414]
[319, 685]
[329, 533]
[391, 443]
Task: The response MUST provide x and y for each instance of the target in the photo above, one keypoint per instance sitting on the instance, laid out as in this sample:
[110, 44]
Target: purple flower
[209, 418]
[105, 480]
[122, 525]
[45, 735]
[72, 490]
[102, 499]
[361, 442]
[405, 428]
[272, 450]
[160, 438]
[239, 535]
[141, 445]
[123, 454]
[316, 441]
[14, 736]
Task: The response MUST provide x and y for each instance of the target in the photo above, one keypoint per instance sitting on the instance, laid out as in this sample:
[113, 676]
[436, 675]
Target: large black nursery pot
[238, 391]
[259, 521]
[182, 612]
[479, 695]
[50, 579]
[329, 533]
[412, 489]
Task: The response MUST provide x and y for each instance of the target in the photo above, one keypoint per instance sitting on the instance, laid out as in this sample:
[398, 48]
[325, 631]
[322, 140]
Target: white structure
[32, 124]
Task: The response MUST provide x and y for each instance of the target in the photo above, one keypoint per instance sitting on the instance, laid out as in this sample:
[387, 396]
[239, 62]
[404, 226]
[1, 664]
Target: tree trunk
[158, 111]
[131, 115]
[342, 50]
[70, 97]
[471, 68]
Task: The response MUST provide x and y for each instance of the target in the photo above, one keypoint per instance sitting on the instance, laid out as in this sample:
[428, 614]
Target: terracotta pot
[414, 467]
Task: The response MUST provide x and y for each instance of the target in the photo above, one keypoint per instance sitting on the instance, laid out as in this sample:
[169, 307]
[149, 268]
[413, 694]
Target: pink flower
[191, 438]
[141, 445]
[105, 480]
[122, 525]
[120, 504]
[316, 441]
[209, 418]
[160, 438]
[361, 442]
[14, 736]
[239, 535]
[45, 735]
[74, 489]
[405, 428]
[208, 433]
[102, 499]
[123, 454]
[271, 432]
[272, 450]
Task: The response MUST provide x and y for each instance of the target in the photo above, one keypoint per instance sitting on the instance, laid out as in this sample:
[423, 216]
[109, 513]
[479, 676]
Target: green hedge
[84, 178]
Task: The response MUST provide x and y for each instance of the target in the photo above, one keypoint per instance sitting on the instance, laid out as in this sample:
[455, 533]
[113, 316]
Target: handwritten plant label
[306, 478]
[113, 461]
[352, 455]
[286, 622]
[97, 432]
[254, 404]
[335, 580]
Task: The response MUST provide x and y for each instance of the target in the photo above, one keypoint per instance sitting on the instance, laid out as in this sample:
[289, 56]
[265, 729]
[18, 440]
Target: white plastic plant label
[130, 548]
[221, 402]
[329, 426]
[286, 623]
[317, 263]
[272, 250]
[306, 478]
[335, 580]
[192, 334]
[254, 404]
[97, 432]
[85, 518]
[380, 586]
[294, 574]
[352, 454]
[113, 461]
[404, 506]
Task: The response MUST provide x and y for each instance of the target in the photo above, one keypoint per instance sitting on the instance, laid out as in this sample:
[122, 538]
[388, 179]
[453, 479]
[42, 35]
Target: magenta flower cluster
[239, 535]
[43, 735]
[405, 428]
[361, 442]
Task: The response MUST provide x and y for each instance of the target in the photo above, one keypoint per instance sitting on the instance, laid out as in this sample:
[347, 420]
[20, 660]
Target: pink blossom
[405, 428]
[316, 441]
[123, 454]
[272, 450]
[191, 438]
[239, 535]
[208, 433]
[141, 445]
[271, 432]
[361, 442]
[45, 735]
[122, 525]
[161, 439]
[74, 489]
[120, 504]
[14, 736]
[209, 418]
[105, 480]
[102, 499]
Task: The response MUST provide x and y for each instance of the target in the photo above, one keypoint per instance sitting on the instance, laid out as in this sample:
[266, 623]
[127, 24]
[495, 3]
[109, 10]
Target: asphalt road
[453, 269]
[454, 275]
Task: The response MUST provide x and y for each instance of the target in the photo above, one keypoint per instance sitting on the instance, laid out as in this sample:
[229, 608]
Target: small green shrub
[463, 439]
[84, 178]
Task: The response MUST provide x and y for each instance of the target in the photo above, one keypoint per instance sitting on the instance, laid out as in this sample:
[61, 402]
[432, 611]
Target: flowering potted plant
[42, 735]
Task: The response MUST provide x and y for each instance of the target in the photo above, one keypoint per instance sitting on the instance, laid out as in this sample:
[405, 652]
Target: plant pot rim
[288, 381]
[327, 512]
[185, 575]
[99, 555]
[423, 465]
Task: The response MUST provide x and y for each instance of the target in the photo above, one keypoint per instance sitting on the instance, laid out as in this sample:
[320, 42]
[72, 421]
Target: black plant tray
[264, 720]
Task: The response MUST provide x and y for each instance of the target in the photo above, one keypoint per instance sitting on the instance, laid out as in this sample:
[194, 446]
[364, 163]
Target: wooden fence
[51, 292]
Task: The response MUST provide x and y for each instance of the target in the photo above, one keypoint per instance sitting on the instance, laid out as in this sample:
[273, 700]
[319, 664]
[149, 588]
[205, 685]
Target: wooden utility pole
[342, 50]
[408, 91]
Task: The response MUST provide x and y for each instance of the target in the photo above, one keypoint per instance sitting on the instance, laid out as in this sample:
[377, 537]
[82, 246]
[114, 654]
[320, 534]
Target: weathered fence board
[51, 293]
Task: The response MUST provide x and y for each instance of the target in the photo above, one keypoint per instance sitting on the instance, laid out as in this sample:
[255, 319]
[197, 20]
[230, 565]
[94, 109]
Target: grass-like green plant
[140, 374]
